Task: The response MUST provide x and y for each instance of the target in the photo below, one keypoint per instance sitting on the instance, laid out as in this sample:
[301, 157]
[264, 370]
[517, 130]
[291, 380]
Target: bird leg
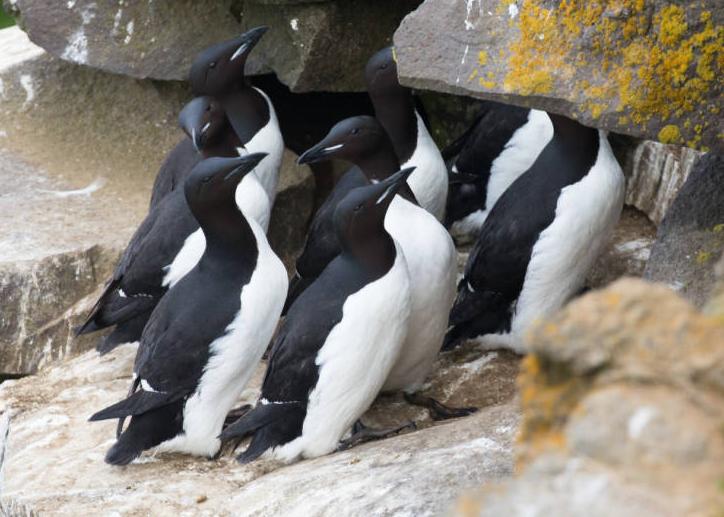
[361, 434]
[438, 410]
[235, 414]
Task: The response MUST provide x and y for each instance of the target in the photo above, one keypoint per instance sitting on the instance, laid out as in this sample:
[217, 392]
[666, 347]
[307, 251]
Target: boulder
[318, 45]
[647, 69]
[690, 239]
[655, 173]
[54, 457]
[623, 406]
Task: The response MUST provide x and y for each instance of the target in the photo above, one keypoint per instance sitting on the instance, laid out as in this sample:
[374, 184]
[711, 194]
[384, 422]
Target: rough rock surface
[623, 406]
[159, 39]
[690, 239]
[647, 69]
[78, 166]
[655, 173]
[54, 457]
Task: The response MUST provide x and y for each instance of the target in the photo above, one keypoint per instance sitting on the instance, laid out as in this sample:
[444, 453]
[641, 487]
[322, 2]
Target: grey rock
[655, 173]
[690, 239]
[312, 45]
[55, 457]
[622, 73]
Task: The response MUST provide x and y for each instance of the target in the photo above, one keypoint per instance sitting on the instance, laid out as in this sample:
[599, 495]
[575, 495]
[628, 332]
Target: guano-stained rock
[55, 457]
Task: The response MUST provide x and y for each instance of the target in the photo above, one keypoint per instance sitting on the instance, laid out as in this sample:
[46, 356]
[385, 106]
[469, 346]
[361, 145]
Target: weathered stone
[627, 253]
[292, 210]
[55, 457]
[647, 69]
[309, 47]
[655, 173]
[623, 406]
[690, 239]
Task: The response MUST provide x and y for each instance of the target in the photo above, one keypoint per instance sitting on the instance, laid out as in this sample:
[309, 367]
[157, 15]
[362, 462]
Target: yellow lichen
[482, 58]
[703, 257]
[670, 134]
[654, 64]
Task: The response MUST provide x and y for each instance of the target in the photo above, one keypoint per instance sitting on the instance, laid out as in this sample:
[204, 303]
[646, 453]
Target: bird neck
[224, 145]
[380, 163]
[375, 252]
[247, 111]
[396, 113]
[225, 228]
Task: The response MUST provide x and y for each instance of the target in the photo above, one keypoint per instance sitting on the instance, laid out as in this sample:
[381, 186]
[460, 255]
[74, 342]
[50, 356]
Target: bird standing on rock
[338, 342]
[207, 335]
[168, 242]
[540, 239]
[428, 248]
[500, 145]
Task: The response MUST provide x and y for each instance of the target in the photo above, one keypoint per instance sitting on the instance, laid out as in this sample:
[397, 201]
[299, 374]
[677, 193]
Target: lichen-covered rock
[644, 68]
[623, 406]
[690, 239]
[54, 456]
[321, 45]
[655, 173]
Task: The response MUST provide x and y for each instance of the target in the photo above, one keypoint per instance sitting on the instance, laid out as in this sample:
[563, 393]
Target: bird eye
[355, 131]
[358, 208]
[383, 66]
[206, 179]
[212, 64]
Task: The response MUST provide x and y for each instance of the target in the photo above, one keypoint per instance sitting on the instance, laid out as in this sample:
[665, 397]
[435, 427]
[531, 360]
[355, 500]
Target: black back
[473, 154]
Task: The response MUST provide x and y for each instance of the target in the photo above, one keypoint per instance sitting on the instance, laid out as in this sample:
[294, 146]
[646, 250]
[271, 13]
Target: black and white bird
[218, 71]
[168, 242]
[428, 248]
[540, 239]
[500, 145]
[395, 108]
[339, 341]
[207, 335]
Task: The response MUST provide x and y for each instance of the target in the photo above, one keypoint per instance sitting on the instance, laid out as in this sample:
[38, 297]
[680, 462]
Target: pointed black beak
[191, 120]
[243, 165]
[321, 151]
[389, 187]
[248, 41]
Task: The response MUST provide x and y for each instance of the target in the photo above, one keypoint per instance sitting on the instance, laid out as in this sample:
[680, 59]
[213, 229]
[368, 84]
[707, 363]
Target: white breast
[268, 140]
[253, 202]
[354, 362]
[234, 355]
[586, 214]
[431, 260]
[429, 180]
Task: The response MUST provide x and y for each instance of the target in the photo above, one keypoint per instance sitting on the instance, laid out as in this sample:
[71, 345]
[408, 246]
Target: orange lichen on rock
[653, 64]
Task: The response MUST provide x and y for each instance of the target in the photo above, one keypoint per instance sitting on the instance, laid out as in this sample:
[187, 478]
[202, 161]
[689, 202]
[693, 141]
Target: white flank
[429, 179]
[586, 214]
[432, 263]
[354, 362]
[252, 200]
[234, 355]
[268, 140]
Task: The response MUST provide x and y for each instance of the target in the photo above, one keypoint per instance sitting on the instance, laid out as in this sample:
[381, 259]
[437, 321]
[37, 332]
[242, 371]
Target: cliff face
[649, 68]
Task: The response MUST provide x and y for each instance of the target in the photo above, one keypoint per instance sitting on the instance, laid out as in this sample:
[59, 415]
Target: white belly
[429, 180]
[235, 355]
[253, 202]
[432, 262]
[586, 214]
[354, 362]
